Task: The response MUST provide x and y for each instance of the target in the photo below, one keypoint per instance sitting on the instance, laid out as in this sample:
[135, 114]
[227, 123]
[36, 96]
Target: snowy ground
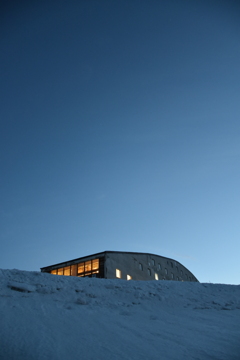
[44, 316]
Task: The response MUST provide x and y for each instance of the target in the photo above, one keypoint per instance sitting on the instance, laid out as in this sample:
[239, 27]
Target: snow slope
[44, 316]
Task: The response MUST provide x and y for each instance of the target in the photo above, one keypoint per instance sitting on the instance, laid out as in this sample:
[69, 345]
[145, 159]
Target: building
[123, 265]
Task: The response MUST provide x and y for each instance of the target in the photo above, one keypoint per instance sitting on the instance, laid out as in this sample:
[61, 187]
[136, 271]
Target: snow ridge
[45, 316]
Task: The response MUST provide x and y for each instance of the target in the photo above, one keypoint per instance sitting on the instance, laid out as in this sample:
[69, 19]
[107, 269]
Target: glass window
[171, 264]
[88, 266]
[95, 264]
[54, 272]
[177, 268]
[159, 267]
[67, 270]
[118, 273]
[156, 276]
[153, 262]
[166, 271]
[140, 266]
[181, 272]
[81, 268]
[172, 276]
[149, 272]
[129, 277]
[60, 271]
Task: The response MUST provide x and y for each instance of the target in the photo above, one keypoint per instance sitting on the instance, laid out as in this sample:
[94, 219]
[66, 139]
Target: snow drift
[44, 316]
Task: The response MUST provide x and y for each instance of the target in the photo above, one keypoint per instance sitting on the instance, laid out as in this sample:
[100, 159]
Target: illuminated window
[81, 268]
[118, 274]
[166, 271]
[60, 271]
[149, 272]
[156, 276]
[54, 272]
[95, 264]
[88, 266]
[140, 266]
[129, 277]
[66, 271]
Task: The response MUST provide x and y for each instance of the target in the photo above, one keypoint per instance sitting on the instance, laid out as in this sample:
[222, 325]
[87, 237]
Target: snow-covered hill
[50, 317]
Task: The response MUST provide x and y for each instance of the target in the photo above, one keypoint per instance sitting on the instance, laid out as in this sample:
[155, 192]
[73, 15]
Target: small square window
[156, 276]
[129, 277]
[118, 273]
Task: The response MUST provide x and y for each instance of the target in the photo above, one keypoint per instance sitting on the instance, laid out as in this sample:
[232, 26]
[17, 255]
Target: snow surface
[45, 316]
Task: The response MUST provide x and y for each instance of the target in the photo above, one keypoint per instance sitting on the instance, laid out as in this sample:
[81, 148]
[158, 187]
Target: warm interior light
[129, 277]
[88, 266]
[67, 271]
[80, 268]
[95, 264]
[118, 274]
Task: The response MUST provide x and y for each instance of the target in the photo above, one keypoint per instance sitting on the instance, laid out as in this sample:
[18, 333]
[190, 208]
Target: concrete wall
[129, 264]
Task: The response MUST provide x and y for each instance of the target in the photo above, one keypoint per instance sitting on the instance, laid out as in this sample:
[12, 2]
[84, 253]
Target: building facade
[123, 265]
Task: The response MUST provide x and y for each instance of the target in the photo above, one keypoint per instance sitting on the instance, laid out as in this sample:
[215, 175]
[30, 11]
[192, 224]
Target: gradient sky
[120, 130]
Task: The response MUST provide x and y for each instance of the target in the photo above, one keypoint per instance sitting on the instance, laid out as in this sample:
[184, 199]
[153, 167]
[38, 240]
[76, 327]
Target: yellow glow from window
[129, 277]
[88, 266]
[118, 273]
[67, 271]
[60, 271]
[156, 276]
[54, 272]
[95, 264]
[80, 268]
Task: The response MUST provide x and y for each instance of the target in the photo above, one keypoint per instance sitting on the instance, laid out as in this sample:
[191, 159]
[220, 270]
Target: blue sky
[119, 126]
